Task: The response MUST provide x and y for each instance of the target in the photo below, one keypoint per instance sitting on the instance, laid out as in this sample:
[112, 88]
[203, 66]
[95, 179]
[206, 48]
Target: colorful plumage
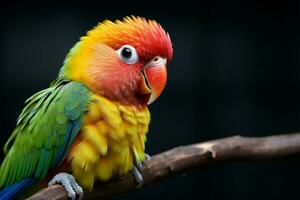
[92, 121]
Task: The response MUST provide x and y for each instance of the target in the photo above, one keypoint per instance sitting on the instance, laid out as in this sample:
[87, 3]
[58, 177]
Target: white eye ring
[128, 54]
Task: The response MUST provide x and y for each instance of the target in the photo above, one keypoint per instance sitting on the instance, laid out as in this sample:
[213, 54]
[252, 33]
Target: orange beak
[155, 77]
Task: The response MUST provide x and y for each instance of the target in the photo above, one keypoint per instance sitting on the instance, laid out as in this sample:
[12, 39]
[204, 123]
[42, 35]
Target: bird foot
[147, 156]
[70, 184]
[136, 172]
[138, 177]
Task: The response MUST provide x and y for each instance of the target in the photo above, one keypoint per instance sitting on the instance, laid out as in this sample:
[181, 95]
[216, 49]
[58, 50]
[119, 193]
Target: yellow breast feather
[112, 137]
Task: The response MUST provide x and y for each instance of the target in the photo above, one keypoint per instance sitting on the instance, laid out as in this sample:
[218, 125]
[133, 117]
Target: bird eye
[128, 54]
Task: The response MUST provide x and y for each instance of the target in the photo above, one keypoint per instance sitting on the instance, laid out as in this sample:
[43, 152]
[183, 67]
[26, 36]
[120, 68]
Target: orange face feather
[97, 60]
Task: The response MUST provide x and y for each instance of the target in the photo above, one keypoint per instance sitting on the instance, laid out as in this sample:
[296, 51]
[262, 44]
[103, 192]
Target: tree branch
[180, 159]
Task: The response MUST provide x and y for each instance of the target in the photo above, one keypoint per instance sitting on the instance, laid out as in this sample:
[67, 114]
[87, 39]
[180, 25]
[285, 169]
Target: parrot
[92, 122]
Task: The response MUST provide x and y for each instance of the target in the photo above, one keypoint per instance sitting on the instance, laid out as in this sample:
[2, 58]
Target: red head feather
[94, 60]
[147, 36]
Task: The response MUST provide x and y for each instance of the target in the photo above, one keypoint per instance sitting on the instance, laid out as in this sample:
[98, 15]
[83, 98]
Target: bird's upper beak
[155, 77]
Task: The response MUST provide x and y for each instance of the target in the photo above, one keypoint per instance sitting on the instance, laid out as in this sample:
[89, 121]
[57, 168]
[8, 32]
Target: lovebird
[91, 123]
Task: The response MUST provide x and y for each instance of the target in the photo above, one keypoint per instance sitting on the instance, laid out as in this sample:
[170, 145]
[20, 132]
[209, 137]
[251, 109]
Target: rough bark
[180, 159]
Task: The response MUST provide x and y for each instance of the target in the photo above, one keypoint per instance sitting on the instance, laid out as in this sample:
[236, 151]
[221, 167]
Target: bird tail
[10, 192]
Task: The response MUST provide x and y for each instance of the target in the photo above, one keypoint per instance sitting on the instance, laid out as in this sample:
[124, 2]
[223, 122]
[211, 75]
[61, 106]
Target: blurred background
[236, 70]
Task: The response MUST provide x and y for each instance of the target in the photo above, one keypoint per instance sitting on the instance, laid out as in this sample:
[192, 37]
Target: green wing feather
[45, 131]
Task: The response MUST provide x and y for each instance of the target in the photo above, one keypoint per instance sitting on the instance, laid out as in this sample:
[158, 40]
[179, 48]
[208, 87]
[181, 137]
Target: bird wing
[45, 131]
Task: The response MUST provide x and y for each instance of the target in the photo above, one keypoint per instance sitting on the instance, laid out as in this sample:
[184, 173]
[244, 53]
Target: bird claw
[69, 183]
[136, 172]
[138, 177]
[147, 156]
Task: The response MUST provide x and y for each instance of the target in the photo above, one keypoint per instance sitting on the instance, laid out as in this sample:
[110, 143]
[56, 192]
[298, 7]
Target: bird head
[124, 61]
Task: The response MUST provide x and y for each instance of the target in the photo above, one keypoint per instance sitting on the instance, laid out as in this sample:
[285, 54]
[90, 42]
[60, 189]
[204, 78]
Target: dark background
[235, 71]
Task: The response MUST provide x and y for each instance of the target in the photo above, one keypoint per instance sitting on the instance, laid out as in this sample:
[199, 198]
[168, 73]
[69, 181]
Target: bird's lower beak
[155, 77]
